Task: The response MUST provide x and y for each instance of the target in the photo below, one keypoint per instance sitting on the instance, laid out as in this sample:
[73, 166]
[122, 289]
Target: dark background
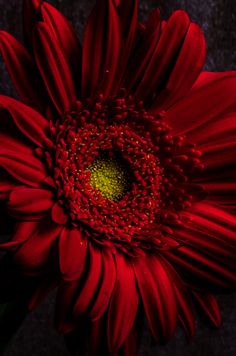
[218, 20]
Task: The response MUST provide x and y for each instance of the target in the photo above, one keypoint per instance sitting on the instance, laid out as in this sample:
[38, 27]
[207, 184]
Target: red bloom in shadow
[118, 167]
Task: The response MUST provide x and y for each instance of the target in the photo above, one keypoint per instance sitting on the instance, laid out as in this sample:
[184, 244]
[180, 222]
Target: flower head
[118, 167]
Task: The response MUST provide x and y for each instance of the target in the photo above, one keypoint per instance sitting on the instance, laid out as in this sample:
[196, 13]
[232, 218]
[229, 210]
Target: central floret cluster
[110, 177]
[117, 180]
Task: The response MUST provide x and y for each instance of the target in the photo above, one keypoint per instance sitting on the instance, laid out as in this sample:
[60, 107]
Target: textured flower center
[110, 177]
[120, 175]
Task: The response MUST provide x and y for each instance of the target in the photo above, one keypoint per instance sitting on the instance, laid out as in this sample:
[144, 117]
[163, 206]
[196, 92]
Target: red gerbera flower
[119, 171]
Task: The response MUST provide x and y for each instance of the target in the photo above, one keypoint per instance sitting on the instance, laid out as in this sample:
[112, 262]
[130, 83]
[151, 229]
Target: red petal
[19, 161]
[7, 184]
[22, 70]
[63, 317]
[97, 343]
[183, 299]
[28, 121]
[191, 57]
[54, 69]
[72, 253]
[143, 53]
[128, 13]
[168, 47]
[31, 11]
[123, 305]
[156, 289]
[29, 203]
[91, 283]
[203, 104]
[197, 268]
[58, 215]
[209, 306]
[101, 49]
[22, 233]
[132, 342]
[34, 256]
[66, 37]
[106, 287]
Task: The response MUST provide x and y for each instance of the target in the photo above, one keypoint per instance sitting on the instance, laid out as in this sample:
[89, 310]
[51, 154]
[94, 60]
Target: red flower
[119, 170]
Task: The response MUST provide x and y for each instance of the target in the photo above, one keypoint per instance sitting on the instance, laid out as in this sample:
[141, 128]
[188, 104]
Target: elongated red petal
[54, 69]
[91, 283]
[33, 257]
[191, 57]
[29, 203]
[105, 289]
[167, 49]
[101, 49]
[22, 70]
[33, 125]
[97, 340]
[21, 234]
[128, 13]
[184, 303]
[158, 297]
[210, 100]
[66, 37]
[125, 296]
[72, 253]
[209, 306]
[143, 53]
[7, 184]
[19, 161]
[31, 14]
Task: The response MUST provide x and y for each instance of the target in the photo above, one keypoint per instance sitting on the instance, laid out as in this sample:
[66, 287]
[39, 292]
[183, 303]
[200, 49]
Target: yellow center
[109, 177]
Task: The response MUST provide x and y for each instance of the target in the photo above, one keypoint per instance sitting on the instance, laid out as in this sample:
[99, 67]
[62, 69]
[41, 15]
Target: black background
[218, 20]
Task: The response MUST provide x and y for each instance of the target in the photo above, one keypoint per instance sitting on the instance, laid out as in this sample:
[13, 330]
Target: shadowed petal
[106, 286]
[167, 49]
[209, 306]
[90, 285]
[22, 70]
[101, 49]
[66, 37]
[191, 57]
[33, 125]
[35, 256]
[54, 69]
[214, 98]
[123, 305]
[29, 203]
[158, 296]
[72, 253]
